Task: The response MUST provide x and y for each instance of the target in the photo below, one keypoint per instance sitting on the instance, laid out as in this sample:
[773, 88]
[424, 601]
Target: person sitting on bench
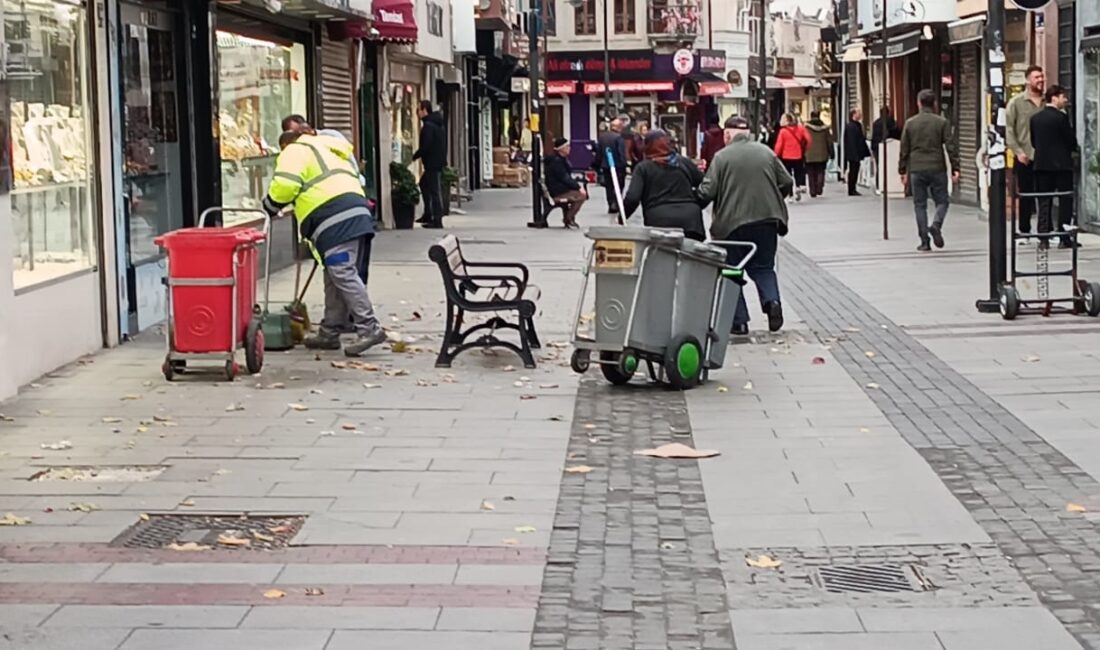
[561, 185]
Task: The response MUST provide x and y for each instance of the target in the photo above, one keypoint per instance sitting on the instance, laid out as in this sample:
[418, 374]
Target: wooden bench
[484, 287]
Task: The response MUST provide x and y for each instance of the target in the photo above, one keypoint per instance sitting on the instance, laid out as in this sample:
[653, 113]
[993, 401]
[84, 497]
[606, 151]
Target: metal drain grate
[162, 531]
[866, 579]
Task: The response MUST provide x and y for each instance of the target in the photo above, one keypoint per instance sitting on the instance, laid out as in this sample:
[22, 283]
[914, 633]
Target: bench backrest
[448, 255]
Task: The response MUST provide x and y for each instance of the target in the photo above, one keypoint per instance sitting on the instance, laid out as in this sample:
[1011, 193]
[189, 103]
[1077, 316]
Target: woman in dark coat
[664, 186]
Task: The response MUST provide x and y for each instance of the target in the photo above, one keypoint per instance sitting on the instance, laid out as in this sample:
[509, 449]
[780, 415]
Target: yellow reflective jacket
[317, 174]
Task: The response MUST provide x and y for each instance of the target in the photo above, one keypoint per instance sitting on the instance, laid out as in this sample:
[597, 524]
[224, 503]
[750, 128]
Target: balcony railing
[678, 21]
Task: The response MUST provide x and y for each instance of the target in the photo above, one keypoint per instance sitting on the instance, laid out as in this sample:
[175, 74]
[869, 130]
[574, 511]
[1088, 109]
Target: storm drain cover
[197, 532]
[103, 474]
[877, 578]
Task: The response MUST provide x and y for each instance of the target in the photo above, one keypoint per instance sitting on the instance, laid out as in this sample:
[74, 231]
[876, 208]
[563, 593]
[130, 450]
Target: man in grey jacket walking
[747, 183]
[922, 165]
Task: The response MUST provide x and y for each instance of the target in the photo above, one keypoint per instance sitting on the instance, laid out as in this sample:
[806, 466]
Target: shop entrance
[152, 186]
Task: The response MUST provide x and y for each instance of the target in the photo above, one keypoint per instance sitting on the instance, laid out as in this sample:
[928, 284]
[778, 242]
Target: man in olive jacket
[747, 184]
[921, 164]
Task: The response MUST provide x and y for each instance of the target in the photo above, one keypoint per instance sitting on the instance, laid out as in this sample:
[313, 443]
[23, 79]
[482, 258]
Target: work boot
[323, 340]
[924, 247]
[774, 310]
[363, 343]
[937, 235]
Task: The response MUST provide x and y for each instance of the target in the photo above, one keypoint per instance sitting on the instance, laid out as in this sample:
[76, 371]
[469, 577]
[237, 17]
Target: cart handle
[730, 243]
[267, 239]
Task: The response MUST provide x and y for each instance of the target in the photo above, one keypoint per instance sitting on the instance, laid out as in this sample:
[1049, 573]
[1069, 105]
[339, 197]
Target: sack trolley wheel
[683, 362]
[580, 361]
[1009, 302]
[254, 345]
[1091, 298]
[619, 368]
[232, 369]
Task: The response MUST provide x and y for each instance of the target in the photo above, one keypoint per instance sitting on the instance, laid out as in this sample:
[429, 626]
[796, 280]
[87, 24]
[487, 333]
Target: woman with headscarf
[664, 186]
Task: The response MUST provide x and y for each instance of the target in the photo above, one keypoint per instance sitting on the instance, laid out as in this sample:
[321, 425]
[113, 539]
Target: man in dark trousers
[922, 166]
[1018, 135]
[883, 129]
[432, 153]
[855, 148]
[561, 185]
[612, 140]
[1054, 144]
[819, 153]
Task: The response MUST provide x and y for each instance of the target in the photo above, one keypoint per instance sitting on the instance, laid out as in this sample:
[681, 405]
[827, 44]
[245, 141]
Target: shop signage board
[485, 147]
[626, 65]
[711, 61]
[683, 62]
[904, 12]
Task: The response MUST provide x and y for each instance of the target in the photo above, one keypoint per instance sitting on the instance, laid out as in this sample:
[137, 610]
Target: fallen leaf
[851, 329]
[747, 386]
[164, 419]
[1073, 507]
[872, 385]
[111, 420]
[297, 407]
[82, 507]
[677, 450]
[340, 364]
[578, 469]
[396, 372]
[260, 537]
[234, 407]
[763, 562]
[142, 429]
[1031, 359]
[279, 530]
[869, 354]
[508, 369]
[189, 503]
[229, 540]
[130, 444]
[316, 391]
[525, 529]
[510, 541]
[548, 386]
[370, 386]
[13, 520]
[423, 382]
[274, 594]
[723, 389]
[448, 379]
[528, 397]
[129, 398]
[818, 361]
[57, 446]
[143, 517]
[517, 384]
[276, 385]
[315, 591]
[348, 426]
[864, 430]
[187, 546]
[399, 347]
[485, 505]
[415, 316]
[667, 546]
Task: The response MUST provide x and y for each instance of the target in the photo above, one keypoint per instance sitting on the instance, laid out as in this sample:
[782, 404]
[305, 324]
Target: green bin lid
[733, 273]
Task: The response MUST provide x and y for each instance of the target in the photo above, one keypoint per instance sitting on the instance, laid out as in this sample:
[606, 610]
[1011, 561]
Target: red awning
[561, 87]
[395, 20]
[714, 88]
[597, 88]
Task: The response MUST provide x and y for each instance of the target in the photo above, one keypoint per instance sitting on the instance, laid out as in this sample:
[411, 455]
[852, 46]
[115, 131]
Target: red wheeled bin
[212, 302]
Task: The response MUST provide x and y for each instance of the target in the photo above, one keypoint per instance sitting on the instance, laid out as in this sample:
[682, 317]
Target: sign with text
[627, 65]
[711, 61]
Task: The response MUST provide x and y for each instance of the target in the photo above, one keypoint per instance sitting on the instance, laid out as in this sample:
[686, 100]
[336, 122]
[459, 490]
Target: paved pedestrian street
[896, 472]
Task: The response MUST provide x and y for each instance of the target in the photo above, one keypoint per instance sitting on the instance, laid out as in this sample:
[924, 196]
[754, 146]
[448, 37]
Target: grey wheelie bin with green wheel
[661, 300]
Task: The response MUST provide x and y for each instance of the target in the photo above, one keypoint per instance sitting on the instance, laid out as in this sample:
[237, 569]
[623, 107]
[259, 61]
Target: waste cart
[660, 299]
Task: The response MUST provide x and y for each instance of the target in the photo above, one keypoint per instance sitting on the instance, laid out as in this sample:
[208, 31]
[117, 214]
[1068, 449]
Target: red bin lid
[208, 238]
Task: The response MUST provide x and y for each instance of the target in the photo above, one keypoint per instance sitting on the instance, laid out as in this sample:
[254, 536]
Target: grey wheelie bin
[659, 299]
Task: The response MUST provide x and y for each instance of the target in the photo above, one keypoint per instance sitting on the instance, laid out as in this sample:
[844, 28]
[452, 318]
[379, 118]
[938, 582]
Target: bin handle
[267, 238]
[730, 243]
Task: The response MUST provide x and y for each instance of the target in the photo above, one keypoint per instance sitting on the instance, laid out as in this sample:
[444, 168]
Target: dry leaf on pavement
[677, 450]
[1031, 359]
[872, 385]
[276, 385]
[340, 364]
[510, 541]
[315, 591]
[723, 389]
[869, 354]
[188, 546]
[528, 397]
[525, 529]
[129, 398]
[274, 594]
[485, 505]
[747, 386]
[57, 446]
[297, 407]
[348, 426]
[763, 562]
[83, 507]
[578, 469]
[187, 502]
[13, 520]
[370, 386]
[111, 420]
[143, 516]
[234, 407]
[818, 361]
[229, 540]
[1073, 507]
[396, 372]
[399, 347]
[260, 537]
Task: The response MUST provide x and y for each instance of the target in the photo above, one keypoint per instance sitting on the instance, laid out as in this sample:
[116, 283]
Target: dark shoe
[1066, 243]
[423, 219]
[739, 329]
[538, 224]
[937, 236]
[364, 343]
[924, 247]
[612, 211]
[774, 310]
[322, 341]
[433, 225]
[854, 194]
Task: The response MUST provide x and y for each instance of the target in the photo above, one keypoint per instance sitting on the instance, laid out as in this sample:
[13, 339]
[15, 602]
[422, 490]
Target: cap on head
[737, 122]
[560, 143]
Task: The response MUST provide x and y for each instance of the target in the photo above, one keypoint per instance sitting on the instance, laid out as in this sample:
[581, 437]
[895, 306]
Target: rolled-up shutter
[337, 89]
[969, 89]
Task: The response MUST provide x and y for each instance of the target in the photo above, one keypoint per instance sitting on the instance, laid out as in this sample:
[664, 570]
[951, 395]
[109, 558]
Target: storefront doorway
[153, 179]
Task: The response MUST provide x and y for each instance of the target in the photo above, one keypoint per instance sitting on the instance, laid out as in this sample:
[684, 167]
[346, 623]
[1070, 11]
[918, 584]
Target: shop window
[550, 9]
[584, 18]
[259, 83]
[625, 13]
[403, 121]
[52, 198]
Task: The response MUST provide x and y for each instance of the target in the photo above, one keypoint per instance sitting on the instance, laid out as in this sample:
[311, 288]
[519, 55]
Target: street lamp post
[534, 20]
[995, 38]
[762, 87]
[885, 136]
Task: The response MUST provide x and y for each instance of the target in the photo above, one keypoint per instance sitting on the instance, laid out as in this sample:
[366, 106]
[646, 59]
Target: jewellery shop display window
[259, 83]
[404, 123]
[48, 94]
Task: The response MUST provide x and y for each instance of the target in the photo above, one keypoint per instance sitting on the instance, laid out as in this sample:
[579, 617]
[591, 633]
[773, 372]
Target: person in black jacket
[883, 129]
[611, 140]
[558, 176]
[432, 153]
[664, 185]
[1054, 142]
[855, 148]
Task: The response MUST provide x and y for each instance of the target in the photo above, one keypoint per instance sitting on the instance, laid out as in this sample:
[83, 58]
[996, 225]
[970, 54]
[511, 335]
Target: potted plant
[449, 181]
[404, 196]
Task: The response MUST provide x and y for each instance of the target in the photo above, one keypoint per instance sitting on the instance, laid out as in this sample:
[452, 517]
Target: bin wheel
[1010, 302]
[231, 370]
[683, 362]
[580, 361]
[254, 345]
[169, 369]
[619, 369]
[1092, 298]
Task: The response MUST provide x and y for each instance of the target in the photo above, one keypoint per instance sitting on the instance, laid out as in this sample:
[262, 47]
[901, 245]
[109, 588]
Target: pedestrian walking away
[790, 145]
[819, 153]
[713, 141]
[611, 140]
[558, 176]
[922, 166]
[664, 185]
[748, 184]
[317, 175]
[1054, 144]
[432, 153]
[883, 129]
[1018, 136]
[855, 148]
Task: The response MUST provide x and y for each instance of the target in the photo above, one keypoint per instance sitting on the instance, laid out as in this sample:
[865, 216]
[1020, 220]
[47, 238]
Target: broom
[299, 313]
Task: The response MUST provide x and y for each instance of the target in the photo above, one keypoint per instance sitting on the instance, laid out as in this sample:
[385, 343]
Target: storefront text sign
[712, 61]
[683, 62]
[485, 148]
[626, 65]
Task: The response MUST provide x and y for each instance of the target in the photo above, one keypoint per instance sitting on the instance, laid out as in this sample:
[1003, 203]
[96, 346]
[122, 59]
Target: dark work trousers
[853, 176]
[816, 171]
[1054, 182]
[925, 184]
[432, 190]
[761, 267]
[797, 170]
[1025, 182]
[609, 184]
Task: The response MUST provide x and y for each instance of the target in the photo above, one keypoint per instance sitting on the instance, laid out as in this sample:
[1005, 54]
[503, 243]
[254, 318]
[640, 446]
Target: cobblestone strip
[632, 562]
[1012, 481]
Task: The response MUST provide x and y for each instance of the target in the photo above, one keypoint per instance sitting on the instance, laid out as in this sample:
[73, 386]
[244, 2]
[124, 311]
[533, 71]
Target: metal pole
[885, 135]
[606, 63]
[538, 219]
[762, 103]
[995, 137]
